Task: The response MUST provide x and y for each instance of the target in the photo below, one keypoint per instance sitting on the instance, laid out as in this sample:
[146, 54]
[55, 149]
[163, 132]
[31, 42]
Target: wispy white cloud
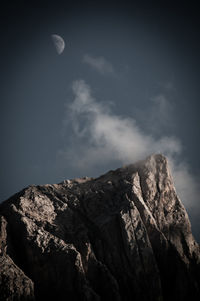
[100, 64]
[107, 137]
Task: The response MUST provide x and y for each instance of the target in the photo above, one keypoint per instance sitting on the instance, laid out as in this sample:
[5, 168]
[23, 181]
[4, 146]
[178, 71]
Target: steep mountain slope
[122, 236]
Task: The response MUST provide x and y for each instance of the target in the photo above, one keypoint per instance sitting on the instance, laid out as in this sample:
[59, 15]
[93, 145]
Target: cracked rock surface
[122, 236]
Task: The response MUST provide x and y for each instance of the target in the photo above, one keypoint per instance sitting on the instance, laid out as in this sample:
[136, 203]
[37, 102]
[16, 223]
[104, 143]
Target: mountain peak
[121, 236]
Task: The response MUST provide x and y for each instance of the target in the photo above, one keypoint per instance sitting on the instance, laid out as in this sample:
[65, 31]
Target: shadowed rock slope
[122, 236]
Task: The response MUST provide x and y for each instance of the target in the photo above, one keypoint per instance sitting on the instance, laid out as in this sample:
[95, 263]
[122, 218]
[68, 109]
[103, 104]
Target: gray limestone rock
[123, 236]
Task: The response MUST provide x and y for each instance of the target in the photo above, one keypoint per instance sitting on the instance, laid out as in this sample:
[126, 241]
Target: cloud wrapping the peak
[102, 139]
[100, 64]
[102, 132]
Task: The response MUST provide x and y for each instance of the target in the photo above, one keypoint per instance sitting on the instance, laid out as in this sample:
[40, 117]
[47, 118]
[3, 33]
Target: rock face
[122, 236]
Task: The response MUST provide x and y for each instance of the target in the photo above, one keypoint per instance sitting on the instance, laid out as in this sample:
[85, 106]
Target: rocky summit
[122, 236]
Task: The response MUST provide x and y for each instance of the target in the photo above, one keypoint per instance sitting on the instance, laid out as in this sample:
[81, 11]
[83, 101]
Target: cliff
[122, 236]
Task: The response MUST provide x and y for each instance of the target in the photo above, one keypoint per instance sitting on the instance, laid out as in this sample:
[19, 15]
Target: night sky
[126, 86]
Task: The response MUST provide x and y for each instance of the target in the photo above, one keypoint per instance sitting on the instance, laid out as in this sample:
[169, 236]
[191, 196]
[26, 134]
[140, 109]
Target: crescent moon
[59, 43]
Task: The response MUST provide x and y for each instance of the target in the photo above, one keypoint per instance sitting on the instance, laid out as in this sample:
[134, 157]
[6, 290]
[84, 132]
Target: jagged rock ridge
[122, 236]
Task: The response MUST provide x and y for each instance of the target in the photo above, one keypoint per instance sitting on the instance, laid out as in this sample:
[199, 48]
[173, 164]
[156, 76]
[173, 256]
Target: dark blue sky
[143, 68]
